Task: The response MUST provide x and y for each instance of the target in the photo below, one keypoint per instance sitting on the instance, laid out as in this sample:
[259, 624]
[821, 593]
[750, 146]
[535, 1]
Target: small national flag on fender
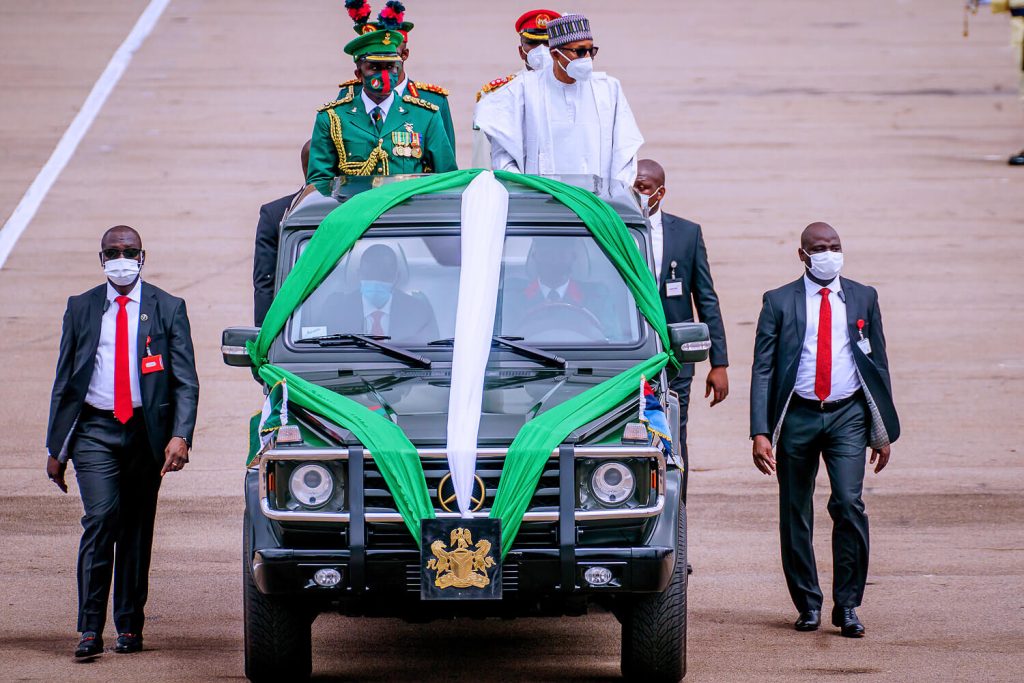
[652, 415]
[264, 423]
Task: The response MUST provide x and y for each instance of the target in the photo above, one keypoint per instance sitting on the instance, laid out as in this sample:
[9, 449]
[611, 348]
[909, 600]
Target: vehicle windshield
[554, 290]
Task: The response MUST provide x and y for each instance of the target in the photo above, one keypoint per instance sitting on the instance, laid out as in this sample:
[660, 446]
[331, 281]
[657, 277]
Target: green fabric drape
[611, 234]
[396, 457]
[335, 236]
[394, 454]
[529, 452]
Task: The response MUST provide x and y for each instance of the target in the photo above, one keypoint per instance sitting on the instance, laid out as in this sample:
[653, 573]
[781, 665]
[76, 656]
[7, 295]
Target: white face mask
[538, 58]
[648, 209]
[580, 69]
[826, 265]
[122, 271]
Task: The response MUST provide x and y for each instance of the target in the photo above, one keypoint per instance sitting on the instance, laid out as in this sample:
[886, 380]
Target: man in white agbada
[566, 119]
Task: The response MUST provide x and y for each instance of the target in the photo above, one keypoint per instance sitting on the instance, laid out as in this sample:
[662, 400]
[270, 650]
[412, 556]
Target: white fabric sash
[484, 214]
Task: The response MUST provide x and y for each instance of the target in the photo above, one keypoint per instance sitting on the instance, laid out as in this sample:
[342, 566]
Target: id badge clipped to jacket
[151, 363]
[673, 285]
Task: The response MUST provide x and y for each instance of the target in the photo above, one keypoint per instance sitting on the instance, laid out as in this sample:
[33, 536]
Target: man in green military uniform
[392, 17]
[375, 132]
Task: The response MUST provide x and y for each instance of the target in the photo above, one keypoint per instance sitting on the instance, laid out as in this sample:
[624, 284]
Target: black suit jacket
[264, 259]
[169, 397]
[683, 243]
[412, 317]
[780, 337]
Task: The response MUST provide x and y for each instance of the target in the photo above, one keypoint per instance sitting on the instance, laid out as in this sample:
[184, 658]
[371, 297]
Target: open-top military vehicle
[605, 524]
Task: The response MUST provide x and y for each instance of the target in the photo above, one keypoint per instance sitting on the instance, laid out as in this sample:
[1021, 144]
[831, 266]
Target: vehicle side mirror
[232, 345]
[690, 341]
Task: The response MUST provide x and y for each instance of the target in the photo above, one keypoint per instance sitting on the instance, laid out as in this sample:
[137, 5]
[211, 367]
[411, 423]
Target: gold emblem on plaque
[446, 498]
[462, 567]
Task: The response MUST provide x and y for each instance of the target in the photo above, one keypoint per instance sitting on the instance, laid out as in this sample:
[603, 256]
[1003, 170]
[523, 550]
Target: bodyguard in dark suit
[820, 389]
[123, 409]
[684, 280]
[264, 259]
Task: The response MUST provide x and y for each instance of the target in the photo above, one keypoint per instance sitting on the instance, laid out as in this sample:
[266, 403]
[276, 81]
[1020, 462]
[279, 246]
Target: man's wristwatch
[185, 439]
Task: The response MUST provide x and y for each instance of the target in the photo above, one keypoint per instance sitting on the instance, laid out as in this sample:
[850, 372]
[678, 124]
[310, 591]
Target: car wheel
[278, 645]
[654, 626]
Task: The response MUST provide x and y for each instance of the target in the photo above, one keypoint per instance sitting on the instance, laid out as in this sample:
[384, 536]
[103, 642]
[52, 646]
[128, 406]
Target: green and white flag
[273, 416]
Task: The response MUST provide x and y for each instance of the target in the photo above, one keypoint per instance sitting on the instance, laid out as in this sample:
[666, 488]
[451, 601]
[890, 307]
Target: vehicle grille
[531, 535]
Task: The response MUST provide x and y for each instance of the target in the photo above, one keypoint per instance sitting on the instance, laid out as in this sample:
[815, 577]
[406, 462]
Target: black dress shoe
[90, 645]
[128, 642]
[809, 620]
[1017, 159]
[846, 619]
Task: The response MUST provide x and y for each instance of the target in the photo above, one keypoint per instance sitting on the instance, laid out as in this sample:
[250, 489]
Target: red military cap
[533, 25]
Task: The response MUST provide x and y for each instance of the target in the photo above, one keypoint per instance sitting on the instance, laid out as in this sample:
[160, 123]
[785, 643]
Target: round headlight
[613, 483]
[311, 485]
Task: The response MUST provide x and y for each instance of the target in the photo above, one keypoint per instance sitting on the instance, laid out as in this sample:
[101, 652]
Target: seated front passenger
[379, 307]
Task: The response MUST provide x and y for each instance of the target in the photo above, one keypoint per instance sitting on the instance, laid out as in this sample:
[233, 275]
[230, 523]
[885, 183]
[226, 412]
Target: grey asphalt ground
[875, 116]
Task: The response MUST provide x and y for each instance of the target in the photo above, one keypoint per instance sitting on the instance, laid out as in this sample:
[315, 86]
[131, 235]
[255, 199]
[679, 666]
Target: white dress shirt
[545, 291]
[385, 105]
[385, 319]
[845, 381]
[657, 240]
[101, 387]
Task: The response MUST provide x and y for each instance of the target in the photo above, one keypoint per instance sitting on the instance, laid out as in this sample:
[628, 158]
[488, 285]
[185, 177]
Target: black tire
[278, 644]
[654, 626]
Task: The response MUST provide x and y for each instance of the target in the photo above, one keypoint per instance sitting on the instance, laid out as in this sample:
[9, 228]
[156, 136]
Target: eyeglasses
[580, 51]
[127, 252]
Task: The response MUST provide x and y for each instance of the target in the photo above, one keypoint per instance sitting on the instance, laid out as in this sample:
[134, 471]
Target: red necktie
[122, 376]
[823, 375]
[375, 327]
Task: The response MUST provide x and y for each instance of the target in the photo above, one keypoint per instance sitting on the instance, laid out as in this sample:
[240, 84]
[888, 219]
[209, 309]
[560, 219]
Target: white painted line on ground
[37, 191]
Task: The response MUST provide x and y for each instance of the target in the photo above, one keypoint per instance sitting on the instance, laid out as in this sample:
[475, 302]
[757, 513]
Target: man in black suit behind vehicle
[684, 280]
[820, 389]
[264, 259]
[123, 409]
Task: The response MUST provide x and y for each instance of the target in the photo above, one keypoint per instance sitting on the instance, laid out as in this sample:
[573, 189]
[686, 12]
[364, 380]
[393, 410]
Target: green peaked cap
[376, 46]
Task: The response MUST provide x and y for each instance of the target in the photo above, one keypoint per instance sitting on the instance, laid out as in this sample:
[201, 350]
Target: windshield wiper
[512, 344]
[374, 341]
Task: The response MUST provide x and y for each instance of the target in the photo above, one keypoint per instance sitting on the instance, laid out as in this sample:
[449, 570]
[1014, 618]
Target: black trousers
[118, 479]
[681, 385]
[840, 438]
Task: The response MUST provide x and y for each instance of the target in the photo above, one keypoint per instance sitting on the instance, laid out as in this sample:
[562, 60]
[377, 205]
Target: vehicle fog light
[598, 576]
[311, 485]
[327, 577]
[613, 483]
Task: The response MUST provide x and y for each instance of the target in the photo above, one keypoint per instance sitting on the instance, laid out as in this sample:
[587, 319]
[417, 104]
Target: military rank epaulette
[430, 87]
[494, 85]
[352, 81]
[421, 102]
[349, 96]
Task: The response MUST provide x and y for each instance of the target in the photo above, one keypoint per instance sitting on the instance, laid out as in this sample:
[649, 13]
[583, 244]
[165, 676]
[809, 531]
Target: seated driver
[553, 260]
[378, 307]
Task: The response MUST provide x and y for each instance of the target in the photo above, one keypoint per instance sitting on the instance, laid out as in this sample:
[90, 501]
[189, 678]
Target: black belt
[93, 411]
[826, 406]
